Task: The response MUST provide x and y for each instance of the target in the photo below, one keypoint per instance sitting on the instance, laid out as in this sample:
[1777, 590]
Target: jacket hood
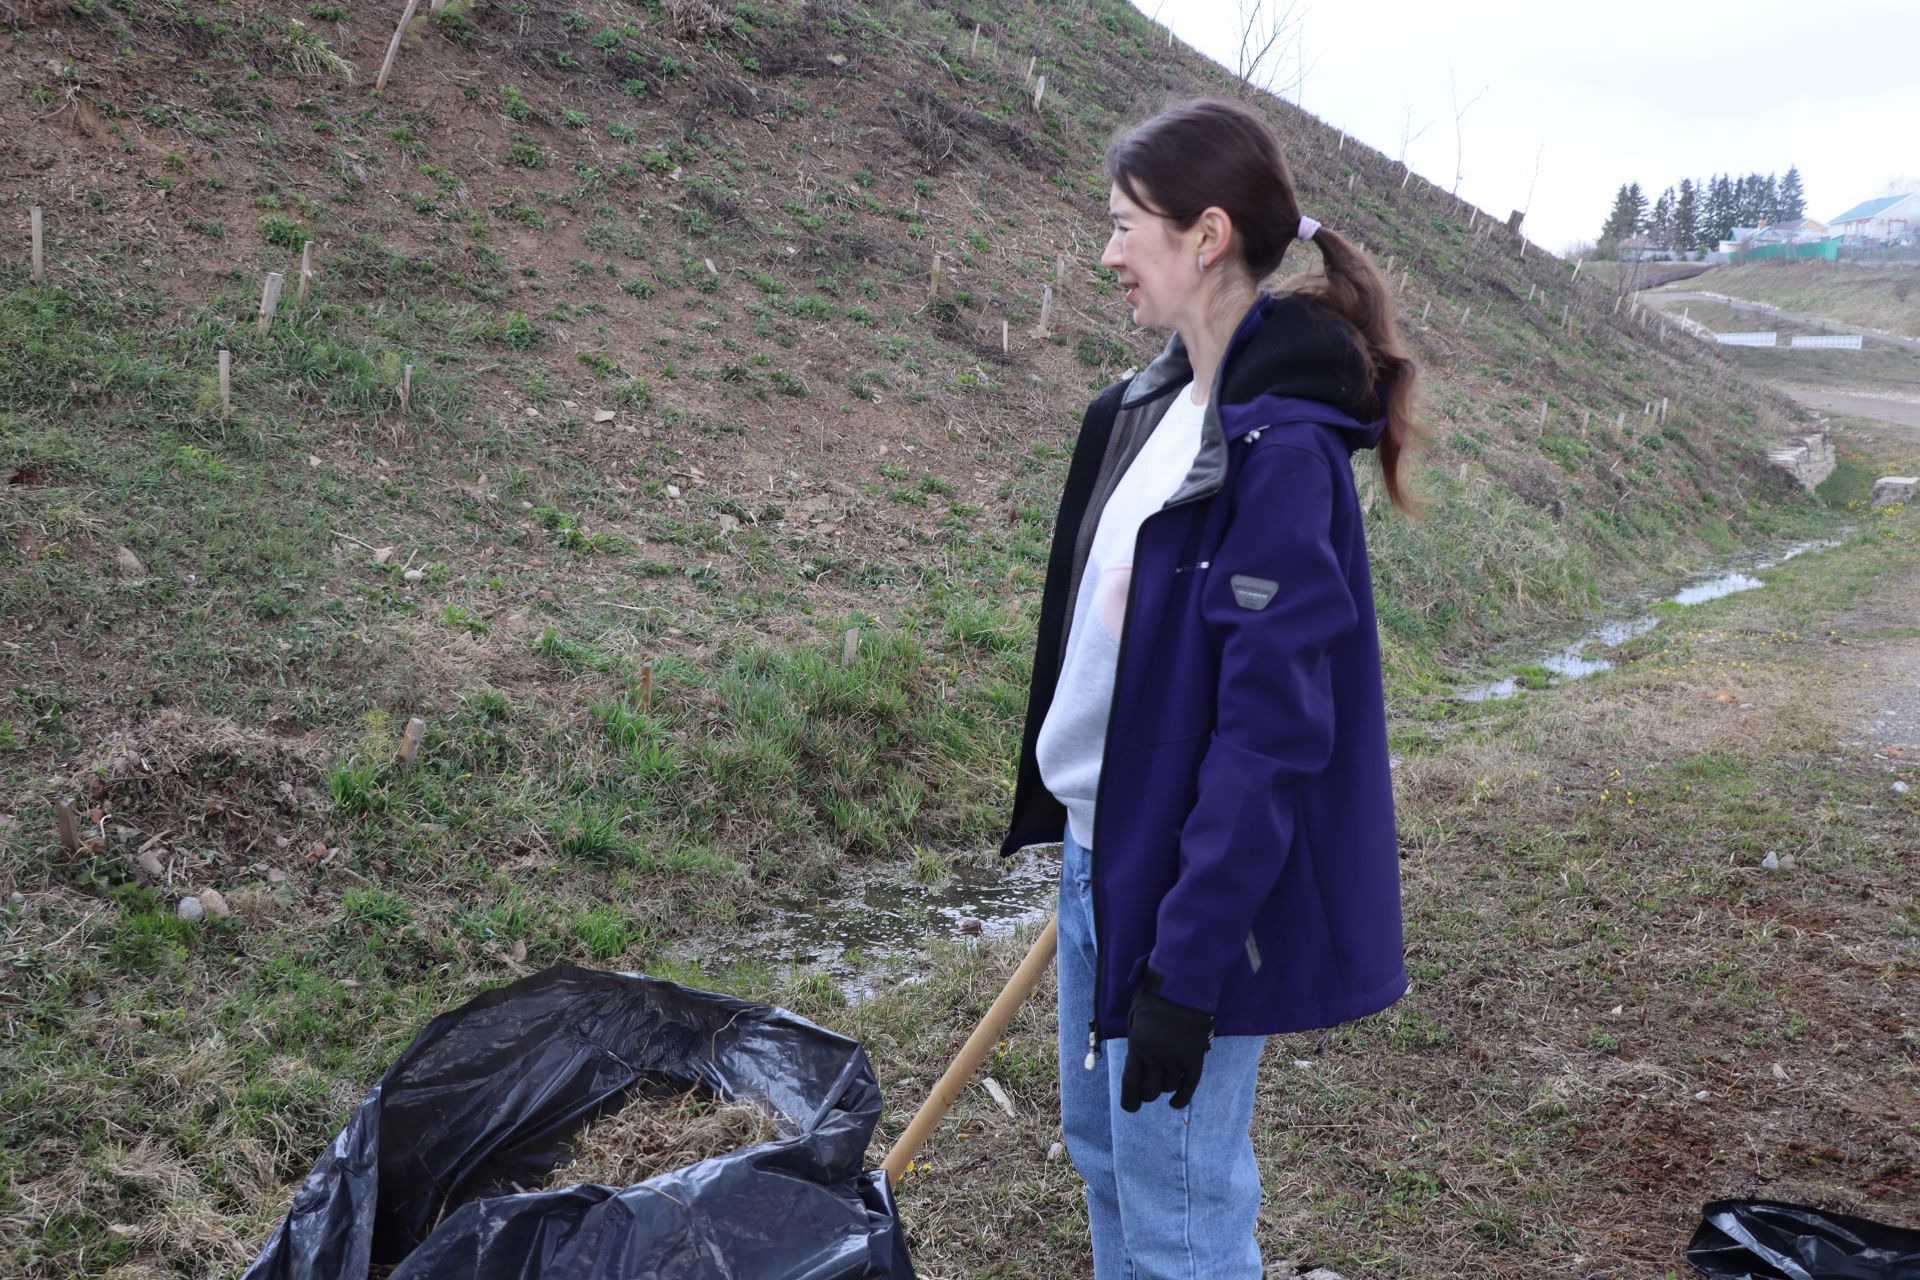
[1289, 360]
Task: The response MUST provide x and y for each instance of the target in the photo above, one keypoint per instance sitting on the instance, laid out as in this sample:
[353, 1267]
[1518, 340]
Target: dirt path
[1662, 298]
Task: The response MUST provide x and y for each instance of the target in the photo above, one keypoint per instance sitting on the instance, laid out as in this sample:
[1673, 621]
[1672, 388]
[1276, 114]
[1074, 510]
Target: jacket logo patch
[1254, 593]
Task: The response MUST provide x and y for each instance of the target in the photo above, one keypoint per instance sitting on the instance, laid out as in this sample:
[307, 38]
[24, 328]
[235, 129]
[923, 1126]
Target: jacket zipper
[1106, 748]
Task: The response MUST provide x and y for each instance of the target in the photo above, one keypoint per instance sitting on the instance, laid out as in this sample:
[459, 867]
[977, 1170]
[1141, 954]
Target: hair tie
[1307, 227]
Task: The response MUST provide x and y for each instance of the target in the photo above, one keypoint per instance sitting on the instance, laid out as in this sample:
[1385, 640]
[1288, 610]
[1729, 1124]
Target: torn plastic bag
[1769, 1240]
[427, 1176]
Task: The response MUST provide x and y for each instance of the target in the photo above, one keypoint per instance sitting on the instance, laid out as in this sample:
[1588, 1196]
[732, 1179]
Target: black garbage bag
[1769, 1240]
[427, 1175]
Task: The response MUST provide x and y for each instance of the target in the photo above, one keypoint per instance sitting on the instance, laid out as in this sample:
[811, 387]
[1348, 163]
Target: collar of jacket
[1288, 360]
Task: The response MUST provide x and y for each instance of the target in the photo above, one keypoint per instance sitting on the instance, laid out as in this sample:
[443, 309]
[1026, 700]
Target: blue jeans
[1171, 1195]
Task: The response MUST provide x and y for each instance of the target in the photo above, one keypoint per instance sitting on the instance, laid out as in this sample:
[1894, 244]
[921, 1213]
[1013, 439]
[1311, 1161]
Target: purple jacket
[1244, 842]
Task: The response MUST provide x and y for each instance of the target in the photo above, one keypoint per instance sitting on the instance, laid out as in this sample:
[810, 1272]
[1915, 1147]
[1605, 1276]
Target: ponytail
[1352, 288]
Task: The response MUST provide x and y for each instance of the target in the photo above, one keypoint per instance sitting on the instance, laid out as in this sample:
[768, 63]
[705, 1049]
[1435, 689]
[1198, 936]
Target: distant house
[1885, 220]
[1793, 231]
[1738, 240]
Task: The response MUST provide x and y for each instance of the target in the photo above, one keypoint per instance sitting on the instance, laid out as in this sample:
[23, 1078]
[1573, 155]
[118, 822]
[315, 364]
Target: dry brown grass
[651, 1136]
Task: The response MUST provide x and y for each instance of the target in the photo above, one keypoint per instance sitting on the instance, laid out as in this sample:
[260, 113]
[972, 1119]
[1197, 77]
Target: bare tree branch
[1266, 28]
[1459, 134]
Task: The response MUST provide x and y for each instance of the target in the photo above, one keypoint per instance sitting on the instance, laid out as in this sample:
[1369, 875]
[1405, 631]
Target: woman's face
[1156, 267]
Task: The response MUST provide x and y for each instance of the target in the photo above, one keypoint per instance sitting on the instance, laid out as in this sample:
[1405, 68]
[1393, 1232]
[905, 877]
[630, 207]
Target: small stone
[1901, 788]
[1780, 1072]
[1771, 862]
[16, 897]
[970, 926]
[519, 951]
[149, 862]
[214, 903]
[1702, 1096]
[728, 523]
[673, 491]
[313, 462]
[604, 415]
[1322, 1273]
[414, 575]
[129, 563]
[382, 554]
[276, 876]
[532, 412]
[190, 910]
[1055, 1151]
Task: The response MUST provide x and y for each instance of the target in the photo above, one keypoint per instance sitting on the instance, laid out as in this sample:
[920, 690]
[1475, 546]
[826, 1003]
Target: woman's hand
[1166, 1043]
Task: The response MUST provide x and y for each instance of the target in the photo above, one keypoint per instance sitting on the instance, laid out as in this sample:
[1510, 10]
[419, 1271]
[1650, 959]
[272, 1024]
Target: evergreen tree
[1793, 200]
[1620, 222]
[1721, 208]
[1660, 221]
[1686, 217]
[1756, 211]
[1770, 199]
[1742, 204]
[1639, 198]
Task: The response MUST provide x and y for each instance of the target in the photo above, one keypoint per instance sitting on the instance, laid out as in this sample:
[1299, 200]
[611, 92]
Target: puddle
[871, 931]
[1571, 663]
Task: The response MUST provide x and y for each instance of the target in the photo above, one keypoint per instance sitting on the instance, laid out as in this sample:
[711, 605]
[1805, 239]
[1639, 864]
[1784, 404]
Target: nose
[1110, 256]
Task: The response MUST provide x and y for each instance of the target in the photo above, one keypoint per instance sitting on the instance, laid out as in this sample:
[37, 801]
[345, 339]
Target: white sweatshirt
[1073, 737]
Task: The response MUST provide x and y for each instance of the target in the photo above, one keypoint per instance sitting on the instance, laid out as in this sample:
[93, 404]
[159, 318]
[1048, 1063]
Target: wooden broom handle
[973, 1053]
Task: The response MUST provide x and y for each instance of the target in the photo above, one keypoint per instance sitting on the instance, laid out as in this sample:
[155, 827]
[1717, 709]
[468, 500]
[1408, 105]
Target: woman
[1206, 730]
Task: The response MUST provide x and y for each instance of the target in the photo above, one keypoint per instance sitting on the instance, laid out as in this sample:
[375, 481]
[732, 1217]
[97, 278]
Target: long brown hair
[1207, 153]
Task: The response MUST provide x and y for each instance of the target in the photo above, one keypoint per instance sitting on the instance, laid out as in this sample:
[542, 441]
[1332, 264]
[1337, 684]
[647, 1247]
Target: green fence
[1828, 249]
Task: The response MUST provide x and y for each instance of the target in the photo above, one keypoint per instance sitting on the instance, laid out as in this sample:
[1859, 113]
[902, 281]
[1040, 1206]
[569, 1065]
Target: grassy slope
[802, 443]
[1885, 300]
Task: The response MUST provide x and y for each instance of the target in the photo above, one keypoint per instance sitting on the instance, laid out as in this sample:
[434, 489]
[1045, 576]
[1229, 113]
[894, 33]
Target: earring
[1201, 258]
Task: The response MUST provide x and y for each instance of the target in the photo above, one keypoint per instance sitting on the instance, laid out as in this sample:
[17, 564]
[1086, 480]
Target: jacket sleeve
[1275, 602]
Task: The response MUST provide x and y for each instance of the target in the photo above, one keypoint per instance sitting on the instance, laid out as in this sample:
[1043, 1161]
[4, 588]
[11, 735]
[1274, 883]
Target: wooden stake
[1577, 266]
[393, 45]
[1543, 415]
[1039, 92]
[410, 741]
[1566, 318]
[1350, 178]
[646, 688]
[1529, 293]
[69, 830]
[974, 52]
[849, 647]
[1404, 179]
[1586, 420]
[1003, 337]
[1464, 314]
[933, 278]
[34, 218]
[1663, 408]
[306, 269]
[1343, 144]
[1403, 280]
[406, 388]
[1060, 272]
[226, 383]
[1030, 61]
[1473, 218]
[1424, 310]
[1046, 309]
[1620, 423]
[270, 301]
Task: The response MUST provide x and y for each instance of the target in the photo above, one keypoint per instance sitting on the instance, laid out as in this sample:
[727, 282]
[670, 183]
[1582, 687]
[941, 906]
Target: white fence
[1842, 342]
[1749, 339]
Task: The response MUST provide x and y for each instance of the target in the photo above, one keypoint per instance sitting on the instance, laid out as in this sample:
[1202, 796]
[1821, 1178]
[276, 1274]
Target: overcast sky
[1626, 92]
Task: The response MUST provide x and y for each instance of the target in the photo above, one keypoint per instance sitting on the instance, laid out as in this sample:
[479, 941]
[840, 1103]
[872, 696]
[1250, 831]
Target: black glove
[1165, 1045]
